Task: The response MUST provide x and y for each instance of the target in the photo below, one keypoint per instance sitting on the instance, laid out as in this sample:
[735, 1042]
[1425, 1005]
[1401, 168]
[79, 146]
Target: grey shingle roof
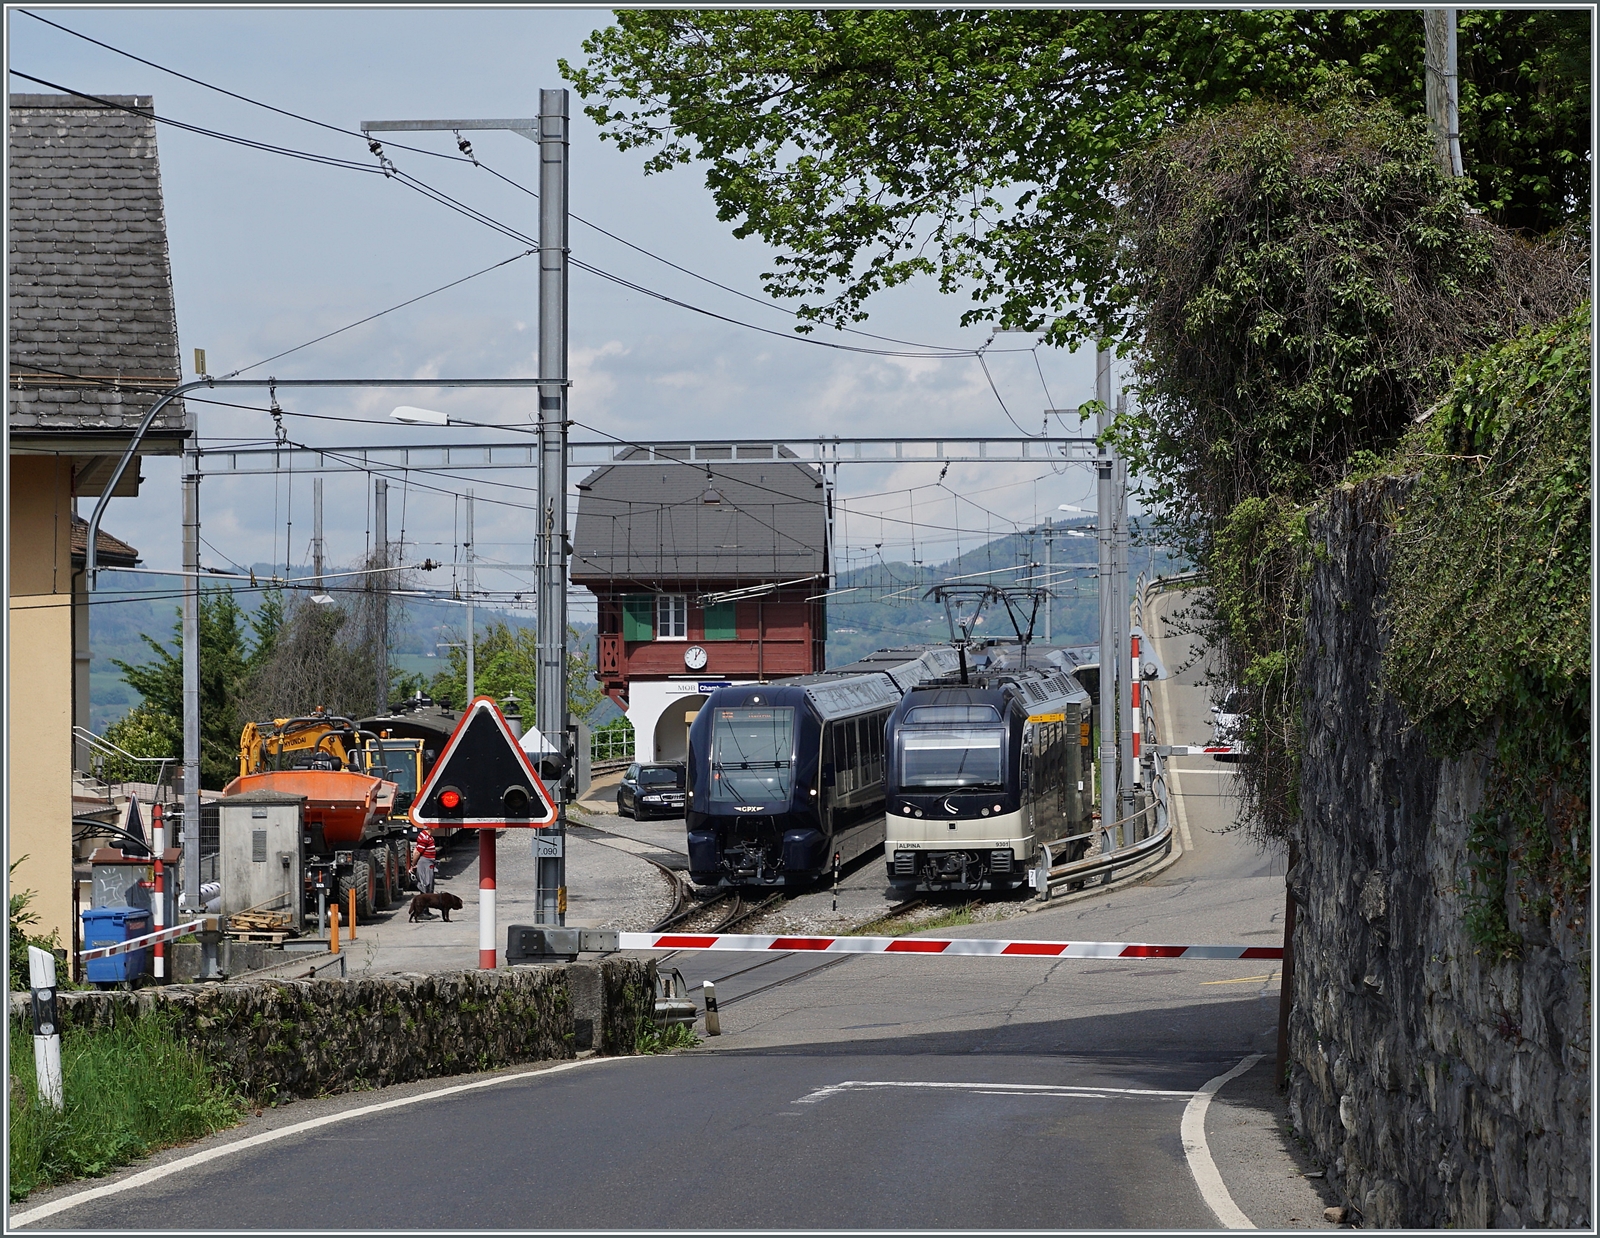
[90, 279]
[642, 523]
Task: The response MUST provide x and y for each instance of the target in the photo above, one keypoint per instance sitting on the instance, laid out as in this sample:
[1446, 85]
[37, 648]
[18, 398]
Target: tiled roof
[641, 523]
[109, 551]
[90, 279]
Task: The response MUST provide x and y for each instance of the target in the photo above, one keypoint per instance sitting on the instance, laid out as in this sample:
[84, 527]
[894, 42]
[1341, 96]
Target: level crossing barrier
[205, 924]
[927, 945]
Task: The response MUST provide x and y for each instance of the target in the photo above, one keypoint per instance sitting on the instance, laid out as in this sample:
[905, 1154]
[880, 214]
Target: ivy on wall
[1491, 613]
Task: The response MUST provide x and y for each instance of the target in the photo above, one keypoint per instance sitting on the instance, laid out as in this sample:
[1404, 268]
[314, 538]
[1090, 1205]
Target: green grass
[653, 1039]
[956, 917]
[129, 1091]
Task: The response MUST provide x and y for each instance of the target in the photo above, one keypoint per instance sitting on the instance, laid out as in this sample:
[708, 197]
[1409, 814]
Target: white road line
[1204, 1169]
[30, 1215]
[997, 1089]
[1174, 784]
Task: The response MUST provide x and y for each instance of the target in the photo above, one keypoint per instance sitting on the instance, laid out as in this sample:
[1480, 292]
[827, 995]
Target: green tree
[982, 147]
[1303, 285]
[144, 731]
[226, 667]
[506, 660]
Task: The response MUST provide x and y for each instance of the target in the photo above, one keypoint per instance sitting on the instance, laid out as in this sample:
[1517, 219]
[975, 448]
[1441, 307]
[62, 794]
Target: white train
[981, 774]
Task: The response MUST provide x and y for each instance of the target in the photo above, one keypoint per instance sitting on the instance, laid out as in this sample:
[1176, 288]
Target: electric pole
[551, 705]
[472, 625]
[191, 667]
[1441, 87]
[316, 533]
[379, 582]
[1105, 533]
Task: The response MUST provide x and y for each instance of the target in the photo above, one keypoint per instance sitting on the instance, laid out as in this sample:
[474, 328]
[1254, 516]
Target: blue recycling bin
[105, 926]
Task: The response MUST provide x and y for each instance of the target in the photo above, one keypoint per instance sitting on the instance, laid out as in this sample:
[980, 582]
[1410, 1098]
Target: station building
[706, 574]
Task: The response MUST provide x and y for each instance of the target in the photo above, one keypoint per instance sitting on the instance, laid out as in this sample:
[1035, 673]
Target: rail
[108, 751]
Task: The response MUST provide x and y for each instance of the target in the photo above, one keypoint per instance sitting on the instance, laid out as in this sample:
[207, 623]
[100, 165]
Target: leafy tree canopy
[506, 660]
[982, 146]
[229, 662]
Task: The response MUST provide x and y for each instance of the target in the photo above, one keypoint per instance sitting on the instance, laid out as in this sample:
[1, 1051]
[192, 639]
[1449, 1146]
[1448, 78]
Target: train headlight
[919, 812]
[908, 810]
[813, 790]
[983, 812]
[997, 807]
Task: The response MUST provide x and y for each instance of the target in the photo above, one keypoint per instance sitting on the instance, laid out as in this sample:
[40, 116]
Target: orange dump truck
[358, 780]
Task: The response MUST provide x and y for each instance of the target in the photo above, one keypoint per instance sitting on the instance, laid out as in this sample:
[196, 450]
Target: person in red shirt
[427, 859]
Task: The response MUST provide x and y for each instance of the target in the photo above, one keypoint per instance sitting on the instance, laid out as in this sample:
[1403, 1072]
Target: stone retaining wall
[1440, 1085]
[300, 1038]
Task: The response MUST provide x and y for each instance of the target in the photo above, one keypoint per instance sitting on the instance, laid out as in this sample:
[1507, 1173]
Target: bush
[144, 731]
[128, 1091]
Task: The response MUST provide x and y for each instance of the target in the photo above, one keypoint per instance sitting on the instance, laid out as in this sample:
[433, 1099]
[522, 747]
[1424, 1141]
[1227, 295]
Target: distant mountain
[129, 604]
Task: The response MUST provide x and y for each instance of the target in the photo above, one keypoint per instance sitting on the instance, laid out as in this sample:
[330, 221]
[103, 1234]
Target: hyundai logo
[951, 809]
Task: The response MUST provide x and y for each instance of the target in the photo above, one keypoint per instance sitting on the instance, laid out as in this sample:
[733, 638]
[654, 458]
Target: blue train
[786, 776]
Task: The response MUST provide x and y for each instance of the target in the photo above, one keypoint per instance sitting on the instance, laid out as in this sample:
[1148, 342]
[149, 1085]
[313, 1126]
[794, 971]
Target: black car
[654, 790]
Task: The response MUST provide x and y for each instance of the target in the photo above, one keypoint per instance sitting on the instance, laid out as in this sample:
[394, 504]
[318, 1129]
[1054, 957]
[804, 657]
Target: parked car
[654, 790]
[1227, 721]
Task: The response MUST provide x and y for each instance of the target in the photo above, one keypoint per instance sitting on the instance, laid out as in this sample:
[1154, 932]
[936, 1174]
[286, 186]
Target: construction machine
[358, 780]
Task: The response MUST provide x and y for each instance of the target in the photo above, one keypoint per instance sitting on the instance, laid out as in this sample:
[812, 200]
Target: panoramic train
[981, 774]
[785, 776]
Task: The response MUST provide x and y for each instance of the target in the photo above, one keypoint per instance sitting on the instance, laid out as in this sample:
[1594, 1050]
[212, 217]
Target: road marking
[992, 1089]
[1242, 979]
[1173, 781]
[1204, 1169]
[29, 1215]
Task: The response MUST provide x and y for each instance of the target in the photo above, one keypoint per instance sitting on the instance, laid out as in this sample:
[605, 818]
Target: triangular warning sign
[483, 779]
[136, 842]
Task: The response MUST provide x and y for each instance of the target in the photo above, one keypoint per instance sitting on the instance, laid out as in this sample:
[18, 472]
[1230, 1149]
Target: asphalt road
[878, 1092]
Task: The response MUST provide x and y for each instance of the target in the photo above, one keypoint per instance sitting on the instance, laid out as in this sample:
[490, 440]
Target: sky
[269, 252]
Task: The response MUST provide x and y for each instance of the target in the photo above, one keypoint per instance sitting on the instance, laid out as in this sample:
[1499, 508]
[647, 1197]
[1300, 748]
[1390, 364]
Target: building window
[672, 617]
[719, 621]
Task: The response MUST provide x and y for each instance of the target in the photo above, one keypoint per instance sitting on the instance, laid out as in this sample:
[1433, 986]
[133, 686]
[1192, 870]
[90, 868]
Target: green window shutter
[638, 616]
[720, 623]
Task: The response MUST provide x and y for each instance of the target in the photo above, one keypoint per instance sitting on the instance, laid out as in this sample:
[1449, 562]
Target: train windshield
[752, 756]
[950, 757]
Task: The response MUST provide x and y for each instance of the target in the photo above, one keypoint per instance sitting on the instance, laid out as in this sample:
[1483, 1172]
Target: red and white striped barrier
[139, 943]
[1180, 750]
[929, 945]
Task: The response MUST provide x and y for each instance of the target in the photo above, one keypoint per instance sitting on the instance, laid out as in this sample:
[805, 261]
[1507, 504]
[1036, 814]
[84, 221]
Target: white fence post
[46, 1026]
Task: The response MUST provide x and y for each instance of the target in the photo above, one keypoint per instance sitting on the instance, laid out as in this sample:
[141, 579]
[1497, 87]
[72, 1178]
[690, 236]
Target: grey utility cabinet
[260, 853]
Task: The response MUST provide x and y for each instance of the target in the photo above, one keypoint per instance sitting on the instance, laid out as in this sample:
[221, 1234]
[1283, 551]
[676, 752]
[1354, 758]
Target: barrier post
[352, 933]
[713, 1019]
[486, 914]
[158, 832]
[46, 1026]
[1043, 879]
[333, 927]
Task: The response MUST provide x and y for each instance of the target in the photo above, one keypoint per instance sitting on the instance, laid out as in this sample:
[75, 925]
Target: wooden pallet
[273, 939]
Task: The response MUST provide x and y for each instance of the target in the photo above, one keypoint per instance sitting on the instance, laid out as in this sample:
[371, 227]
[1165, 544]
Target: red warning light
[450, 798]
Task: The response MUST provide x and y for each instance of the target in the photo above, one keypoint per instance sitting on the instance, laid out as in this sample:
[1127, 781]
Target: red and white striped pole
[158, 833]
[486, 926]
[1137, 720]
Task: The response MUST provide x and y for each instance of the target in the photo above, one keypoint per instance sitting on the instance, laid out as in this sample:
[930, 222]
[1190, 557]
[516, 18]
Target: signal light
[518, 802]
[450, 799]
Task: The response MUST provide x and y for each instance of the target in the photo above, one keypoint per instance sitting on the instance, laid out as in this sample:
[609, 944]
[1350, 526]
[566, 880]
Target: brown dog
[446, 903]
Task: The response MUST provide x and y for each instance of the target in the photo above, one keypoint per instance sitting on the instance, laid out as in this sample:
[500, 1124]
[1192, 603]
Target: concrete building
[705, 575]
[93, 342]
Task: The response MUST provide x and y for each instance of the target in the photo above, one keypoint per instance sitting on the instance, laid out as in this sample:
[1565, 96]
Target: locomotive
[786, 779]
[982, 771]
